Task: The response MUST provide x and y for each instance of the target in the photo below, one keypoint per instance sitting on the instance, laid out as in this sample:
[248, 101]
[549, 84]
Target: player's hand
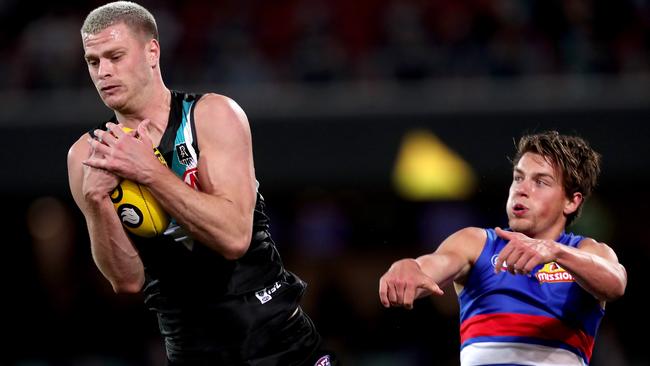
[97, 183]
[126, 154]
[522, 254]
[403, 283]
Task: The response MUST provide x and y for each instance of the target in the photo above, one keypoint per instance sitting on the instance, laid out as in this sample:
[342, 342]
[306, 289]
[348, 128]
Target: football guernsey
[544, 318]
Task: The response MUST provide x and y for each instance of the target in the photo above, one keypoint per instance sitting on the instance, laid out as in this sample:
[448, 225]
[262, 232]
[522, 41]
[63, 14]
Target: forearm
[604, 279]
[443, 268]
[211, 219]
[113, 253]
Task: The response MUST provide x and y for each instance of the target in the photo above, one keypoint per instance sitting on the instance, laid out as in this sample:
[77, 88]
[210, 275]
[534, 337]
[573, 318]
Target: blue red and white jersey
[544, 318]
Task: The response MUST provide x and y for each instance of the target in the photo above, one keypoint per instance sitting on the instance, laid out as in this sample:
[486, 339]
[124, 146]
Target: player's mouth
[519, 210]
[107, 89]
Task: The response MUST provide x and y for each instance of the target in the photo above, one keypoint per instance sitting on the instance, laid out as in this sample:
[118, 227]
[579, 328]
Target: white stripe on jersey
[488, 353]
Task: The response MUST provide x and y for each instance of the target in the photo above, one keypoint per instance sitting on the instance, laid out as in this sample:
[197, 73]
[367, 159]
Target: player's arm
[595, 267]
[111, 248]
[409, 279]
[221, 214]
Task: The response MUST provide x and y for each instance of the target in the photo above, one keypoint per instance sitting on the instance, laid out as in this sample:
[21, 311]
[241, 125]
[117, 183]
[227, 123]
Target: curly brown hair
[577, 162]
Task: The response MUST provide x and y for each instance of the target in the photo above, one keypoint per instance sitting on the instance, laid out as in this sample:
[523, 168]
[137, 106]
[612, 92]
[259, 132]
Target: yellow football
[138, 210]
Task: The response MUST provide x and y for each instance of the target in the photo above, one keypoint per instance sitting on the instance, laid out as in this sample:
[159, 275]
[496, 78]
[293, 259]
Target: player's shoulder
[590, 242]
[218, 108]
[471, 234]
[595, 246]
[469, 241]
[79, 148]
[81, 145]
[217, 102]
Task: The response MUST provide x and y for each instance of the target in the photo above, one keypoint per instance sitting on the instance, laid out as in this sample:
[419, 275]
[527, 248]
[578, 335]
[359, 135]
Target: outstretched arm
[593, 265]
[409, 279]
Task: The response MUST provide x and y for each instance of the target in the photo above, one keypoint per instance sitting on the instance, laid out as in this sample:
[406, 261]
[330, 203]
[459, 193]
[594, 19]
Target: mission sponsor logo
[552, 272]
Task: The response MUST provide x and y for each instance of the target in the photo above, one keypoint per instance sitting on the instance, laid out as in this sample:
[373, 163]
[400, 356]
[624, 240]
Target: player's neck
[552, 233]
[154, 106]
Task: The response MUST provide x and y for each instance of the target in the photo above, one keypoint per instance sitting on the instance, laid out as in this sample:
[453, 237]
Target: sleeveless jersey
[210, 308]
[544, 318]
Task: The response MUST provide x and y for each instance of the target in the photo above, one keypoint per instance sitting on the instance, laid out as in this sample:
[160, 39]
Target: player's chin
[113, 101]
[519, 224]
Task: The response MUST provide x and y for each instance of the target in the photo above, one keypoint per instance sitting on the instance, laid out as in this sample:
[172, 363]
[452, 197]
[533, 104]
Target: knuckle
[529, 268]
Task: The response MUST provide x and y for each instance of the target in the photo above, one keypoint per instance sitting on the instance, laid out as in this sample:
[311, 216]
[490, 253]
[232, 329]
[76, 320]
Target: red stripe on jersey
[523, 325]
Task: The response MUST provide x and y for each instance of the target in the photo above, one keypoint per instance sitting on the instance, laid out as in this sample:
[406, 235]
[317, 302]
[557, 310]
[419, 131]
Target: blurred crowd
[251, 41]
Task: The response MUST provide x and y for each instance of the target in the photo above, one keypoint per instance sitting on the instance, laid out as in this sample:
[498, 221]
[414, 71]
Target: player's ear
[153, 52]
[572, 203]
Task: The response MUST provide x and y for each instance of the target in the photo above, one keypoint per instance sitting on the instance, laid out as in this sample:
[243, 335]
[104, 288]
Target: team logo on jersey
[183, 153]
[504, 265]
[324, 361]
[191, 178]
[552, 272]
[265, 295]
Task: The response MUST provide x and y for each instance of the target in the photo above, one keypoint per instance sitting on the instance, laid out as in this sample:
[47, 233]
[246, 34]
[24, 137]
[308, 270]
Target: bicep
[602, 250]
[225, 166]
[455, 256]
[77, 153]
[444, 267]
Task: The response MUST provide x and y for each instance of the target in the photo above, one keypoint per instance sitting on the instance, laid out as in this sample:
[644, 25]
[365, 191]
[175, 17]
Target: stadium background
[337, 93]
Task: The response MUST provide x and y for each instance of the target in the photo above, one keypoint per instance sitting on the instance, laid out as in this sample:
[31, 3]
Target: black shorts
[295, 343]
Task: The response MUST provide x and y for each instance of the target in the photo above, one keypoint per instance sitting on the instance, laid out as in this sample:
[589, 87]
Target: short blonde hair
[135, 16]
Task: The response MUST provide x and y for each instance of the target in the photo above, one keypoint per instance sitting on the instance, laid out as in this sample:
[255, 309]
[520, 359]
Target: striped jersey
[544, 318]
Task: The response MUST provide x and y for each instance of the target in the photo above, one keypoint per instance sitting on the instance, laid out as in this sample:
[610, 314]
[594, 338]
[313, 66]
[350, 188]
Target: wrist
[406, 262]
[149, 176]
[557, 251]
[417, 262]
[96, 197]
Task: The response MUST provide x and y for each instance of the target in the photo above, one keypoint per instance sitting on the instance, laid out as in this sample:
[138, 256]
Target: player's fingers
[97, 147]
[409, 297]
[105, 137]
[508, 235]
[520, 265]
[400, 287]
[392, 296]
[143, 130]
[530, 265]
[115, 130]
[512, 260]
[95, 163]
[432, 286]
[383, 292]
[505, 252]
